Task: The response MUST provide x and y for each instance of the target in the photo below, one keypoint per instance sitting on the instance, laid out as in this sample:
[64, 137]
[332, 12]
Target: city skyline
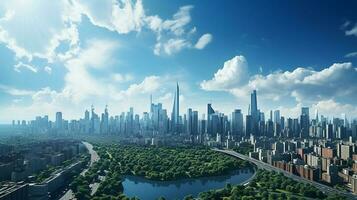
[120, 53]
[178, 99]
[175, 117]
[156, 122]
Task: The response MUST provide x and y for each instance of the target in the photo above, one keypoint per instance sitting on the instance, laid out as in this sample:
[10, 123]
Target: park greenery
[169, 163]
[156, 163]
[268, 185]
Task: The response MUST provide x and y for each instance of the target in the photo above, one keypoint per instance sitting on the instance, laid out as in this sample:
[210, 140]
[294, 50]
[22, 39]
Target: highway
[266, 166]
[93, 158]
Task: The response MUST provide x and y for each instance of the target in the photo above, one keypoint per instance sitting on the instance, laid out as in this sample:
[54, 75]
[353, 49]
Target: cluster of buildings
[313, 147]
[157, 122]
[329, 162]
[20, 166]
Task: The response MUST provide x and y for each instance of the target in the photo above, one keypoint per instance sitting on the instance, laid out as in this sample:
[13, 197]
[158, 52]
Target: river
[147, 189]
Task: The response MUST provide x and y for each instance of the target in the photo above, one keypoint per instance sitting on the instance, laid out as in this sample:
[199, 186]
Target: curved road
[266, 166]
[93, 158]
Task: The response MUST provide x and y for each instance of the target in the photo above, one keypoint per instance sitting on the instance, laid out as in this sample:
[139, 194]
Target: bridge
[266, 166]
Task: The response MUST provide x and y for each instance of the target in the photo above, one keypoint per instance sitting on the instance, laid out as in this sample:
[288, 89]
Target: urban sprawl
[314, 148]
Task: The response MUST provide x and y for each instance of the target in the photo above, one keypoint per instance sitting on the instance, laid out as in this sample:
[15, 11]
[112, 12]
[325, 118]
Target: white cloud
[154, 23]
[304, 86]
[352, 31]
[56, 39]
[233, 73]
[127, 16]
[174, 35]
[122, 77]
[43, 33]
[120, 16]
[148, 85]
[17, 100]
[175, 45]
[20, 65]
[332, 108]
[203, 41]
[15, 91]
[79, 82]
[82, 86]
[352, 54]
[179, 21]
[48, 69]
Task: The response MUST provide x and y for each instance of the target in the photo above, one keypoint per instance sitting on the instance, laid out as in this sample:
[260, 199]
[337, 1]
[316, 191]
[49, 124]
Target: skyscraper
[86, 115]
[59, 120]
[277, 116]
[304, 122]
[175, 116]
[237, 123]
[254, 106]
[105, 121]
[210, 112]
[195, 122]
[189, 121]
[254, 112]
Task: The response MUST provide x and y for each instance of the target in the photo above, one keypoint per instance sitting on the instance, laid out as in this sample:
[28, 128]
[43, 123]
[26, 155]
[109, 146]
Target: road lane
[266, 166]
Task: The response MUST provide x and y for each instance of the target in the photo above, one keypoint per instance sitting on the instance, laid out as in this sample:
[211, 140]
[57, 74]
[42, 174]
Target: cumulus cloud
[148, 85]
[174, 35]
[203, 41]
[120, 16]
[304, 85]
[233, 74]
[43, 33]
[335, 109]
[79, 82]
[81, 86]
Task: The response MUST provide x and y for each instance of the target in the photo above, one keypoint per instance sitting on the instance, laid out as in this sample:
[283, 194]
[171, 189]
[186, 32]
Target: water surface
[149, 189]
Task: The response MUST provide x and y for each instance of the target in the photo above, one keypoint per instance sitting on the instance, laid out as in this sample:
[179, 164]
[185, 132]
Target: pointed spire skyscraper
[175, 116]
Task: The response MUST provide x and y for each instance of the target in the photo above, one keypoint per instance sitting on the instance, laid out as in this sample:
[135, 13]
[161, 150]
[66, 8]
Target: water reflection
[149, 189]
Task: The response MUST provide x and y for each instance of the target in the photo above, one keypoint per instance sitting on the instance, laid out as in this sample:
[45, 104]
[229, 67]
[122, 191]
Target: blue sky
[66, 55]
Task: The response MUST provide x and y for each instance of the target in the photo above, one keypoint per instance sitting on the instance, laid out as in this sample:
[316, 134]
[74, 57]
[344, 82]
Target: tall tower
[254, 112]
[59, 120]
[210, 112]
[254, 106]
[304, 122]
[175, 116]
[105, 121]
